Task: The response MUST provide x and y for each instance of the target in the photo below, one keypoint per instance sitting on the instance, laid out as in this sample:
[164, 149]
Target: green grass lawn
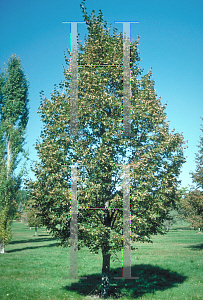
[170, 268]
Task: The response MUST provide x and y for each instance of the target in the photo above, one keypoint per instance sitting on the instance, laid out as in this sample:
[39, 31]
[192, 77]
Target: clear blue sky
[171, 43]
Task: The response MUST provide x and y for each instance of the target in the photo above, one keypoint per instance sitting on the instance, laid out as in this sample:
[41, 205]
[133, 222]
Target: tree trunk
[35, 230]
[2, 247]
[105, 288]
[8, 158]
[167, 225]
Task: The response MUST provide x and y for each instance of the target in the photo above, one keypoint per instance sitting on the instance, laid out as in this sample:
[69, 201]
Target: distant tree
[155, 152]
[22, 196]
[22, 201]
[193, 201]
[178, 207]
[193, 206]
[19, 212]
[171, 219]
[197, 176]
[177, 212]
[34, 219]
[13, 122]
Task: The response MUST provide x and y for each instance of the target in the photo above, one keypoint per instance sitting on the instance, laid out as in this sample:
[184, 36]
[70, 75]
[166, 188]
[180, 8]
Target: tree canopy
[13, 121]
[100, 150]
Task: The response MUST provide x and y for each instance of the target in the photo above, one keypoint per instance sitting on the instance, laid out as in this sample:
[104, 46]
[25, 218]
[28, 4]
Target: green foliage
[192, 202]
[22, 202]
[8, 191]
[171, 219]
[31, 214]
[13, 122]
[22, 196]
[33, 218]
[14, 101]
[5, 229]
[155, 152]
[197, 176]
[193, 208]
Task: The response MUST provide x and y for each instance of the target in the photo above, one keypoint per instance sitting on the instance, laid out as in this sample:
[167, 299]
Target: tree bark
[35, 230]
[8, 158]
[2, 247]
[105, 288]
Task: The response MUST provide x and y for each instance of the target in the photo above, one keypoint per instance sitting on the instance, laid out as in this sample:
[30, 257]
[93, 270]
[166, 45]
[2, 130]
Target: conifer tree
[197, 176]
[192, 203]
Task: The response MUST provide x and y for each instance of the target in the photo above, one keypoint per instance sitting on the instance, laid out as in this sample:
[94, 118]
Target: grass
[170, 268]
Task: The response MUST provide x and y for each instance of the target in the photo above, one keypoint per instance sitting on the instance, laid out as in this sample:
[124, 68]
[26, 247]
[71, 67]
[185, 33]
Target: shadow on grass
[182, 228]
[36, 239]
[31, 248]
[196, 247]
[33, 240]
[152, 279]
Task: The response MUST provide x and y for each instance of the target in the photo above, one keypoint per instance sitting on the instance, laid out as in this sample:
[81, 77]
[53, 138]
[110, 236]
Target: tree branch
[114, 218]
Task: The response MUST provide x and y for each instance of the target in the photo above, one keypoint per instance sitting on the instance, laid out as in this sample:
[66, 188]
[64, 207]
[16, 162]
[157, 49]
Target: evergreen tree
[155, 153]
[193, 201]
[197, 176]
[13, 122]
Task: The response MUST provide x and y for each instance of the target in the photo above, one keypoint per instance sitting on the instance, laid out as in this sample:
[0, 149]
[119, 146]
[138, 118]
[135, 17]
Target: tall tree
[13, 121]
[192, 203]
[156, 154]
[197, 176]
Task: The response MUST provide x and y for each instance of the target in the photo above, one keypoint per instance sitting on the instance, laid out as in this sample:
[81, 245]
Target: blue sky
[171, 43]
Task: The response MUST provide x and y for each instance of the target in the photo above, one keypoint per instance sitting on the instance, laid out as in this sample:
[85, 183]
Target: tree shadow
[31, 248]
[44, 235]
[35, 240]
[196, 247]
[32, 240]
[182, 228]
[152, 279]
